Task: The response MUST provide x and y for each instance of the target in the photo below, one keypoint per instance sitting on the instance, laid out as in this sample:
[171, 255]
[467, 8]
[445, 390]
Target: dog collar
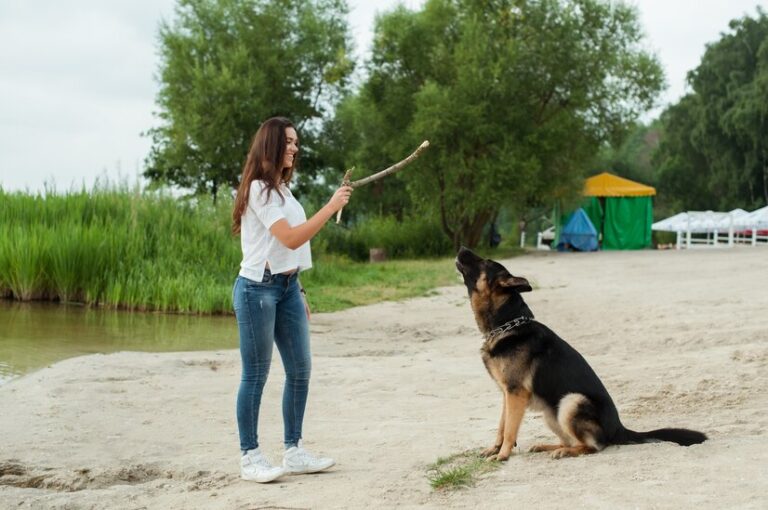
[507, 327]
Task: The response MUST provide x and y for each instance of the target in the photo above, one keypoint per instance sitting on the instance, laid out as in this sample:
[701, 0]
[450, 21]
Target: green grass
[336, 283]
[459, 470]
[121, 248]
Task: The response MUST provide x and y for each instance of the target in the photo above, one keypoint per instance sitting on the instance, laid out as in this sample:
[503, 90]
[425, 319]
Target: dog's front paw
[500, 457]
[488, 452]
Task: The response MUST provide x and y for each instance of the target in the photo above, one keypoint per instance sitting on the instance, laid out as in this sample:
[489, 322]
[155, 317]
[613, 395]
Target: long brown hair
[264, 162]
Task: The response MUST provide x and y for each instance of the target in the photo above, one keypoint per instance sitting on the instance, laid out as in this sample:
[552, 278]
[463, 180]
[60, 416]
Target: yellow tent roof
[609, 185]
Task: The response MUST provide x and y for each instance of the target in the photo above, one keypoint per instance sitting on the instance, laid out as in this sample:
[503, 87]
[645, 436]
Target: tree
[228, 65]
[714, 154]
[684, 176]
[633, 157]
[515, 96]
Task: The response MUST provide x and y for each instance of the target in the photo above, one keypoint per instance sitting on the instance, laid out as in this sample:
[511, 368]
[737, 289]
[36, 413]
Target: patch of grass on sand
[459, 470]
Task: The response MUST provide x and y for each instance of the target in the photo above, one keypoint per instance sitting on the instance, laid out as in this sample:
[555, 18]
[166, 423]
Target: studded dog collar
[496, 333]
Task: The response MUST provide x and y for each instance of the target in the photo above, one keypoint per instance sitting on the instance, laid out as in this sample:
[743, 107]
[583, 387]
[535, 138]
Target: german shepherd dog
[537, 369]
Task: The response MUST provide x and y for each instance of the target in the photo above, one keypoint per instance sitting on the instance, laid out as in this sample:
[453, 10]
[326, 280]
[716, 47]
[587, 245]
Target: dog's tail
[683, 437]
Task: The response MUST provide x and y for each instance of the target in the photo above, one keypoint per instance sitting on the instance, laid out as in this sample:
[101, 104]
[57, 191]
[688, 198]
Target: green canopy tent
[621, 210]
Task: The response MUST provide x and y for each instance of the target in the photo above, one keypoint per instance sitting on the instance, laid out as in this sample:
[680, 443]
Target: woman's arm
[293, 237]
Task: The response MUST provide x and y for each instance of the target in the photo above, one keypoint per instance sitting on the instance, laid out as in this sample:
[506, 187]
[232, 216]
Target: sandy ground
[678, 338]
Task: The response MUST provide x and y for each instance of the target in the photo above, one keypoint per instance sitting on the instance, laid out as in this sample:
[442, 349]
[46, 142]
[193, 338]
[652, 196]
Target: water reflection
[34, 335]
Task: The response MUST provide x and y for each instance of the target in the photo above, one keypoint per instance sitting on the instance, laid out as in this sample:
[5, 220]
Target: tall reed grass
[124, 248]
[119, 248]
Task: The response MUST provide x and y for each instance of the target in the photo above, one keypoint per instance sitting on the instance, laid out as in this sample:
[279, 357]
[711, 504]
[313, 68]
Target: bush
[410, 238]
[658, 237]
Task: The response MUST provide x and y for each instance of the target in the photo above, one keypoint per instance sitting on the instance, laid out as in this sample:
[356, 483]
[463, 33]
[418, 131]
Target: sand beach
[679, 338]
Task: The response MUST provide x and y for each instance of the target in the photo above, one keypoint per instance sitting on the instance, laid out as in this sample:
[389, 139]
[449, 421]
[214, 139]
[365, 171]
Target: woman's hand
[340, 198]
[306, 305]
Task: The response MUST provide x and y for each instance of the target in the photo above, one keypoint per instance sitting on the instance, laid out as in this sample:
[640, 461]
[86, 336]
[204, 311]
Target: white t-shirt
[259, 245]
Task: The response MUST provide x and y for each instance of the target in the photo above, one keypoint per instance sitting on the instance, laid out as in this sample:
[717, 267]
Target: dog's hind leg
[493, 450]
[545, 447]
[515, 404]
[577, 418]
[551, 420]
[573, 451]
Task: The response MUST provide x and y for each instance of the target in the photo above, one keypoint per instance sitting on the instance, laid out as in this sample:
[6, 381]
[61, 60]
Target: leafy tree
[516, 97]
[714, 154]
[228, 65]
[683, 180]
[633, 157]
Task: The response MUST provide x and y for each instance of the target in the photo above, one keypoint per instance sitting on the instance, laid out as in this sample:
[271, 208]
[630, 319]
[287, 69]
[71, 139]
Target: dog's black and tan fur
[537, 369]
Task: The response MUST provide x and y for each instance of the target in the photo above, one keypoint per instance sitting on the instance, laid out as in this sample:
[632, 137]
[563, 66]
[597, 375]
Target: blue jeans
[271, 311]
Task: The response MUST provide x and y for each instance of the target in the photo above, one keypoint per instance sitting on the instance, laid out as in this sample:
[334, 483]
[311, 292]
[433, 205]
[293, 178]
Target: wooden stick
[379, 175]
[394, 168]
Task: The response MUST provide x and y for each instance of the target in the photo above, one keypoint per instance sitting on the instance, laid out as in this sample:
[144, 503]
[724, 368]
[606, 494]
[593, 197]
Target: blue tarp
[578, 234]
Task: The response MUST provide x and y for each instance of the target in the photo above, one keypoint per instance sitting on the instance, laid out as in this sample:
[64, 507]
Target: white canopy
[708, 221]
[700, 222]
[676, 223]
[756, 220]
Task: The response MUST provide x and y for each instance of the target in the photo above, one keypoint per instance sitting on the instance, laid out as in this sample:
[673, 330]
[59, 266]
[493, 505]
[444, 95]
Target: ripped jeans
[271, 312]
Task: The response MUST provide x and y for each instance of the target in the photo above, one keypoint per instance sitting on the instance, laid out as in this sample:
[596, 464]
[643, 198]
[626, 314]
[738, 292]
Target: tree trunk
[765, 177]
[470, 232]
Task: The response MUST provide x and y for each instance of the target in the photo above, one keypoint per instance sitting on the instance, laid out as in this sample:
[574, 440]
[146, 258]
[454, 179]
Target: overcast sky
[77, 78]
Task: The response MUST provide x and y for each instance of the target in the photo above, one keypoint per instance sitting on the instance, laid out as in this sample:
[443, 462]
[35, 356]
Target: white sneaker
[297, 460]
[255, 467]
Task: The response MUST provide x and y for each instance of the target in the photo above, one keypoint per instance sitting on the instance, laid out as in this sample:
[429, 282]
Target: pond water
[35, 335]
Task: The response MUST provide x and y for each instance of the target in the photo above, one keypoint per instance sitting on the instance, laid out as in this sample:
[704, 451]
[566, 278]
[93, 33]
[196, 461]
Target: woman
[269, 301]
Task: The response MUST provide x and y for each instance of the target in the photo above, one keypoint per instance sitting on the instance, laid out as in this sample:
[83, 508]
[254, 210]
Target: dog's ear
[517, 283]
